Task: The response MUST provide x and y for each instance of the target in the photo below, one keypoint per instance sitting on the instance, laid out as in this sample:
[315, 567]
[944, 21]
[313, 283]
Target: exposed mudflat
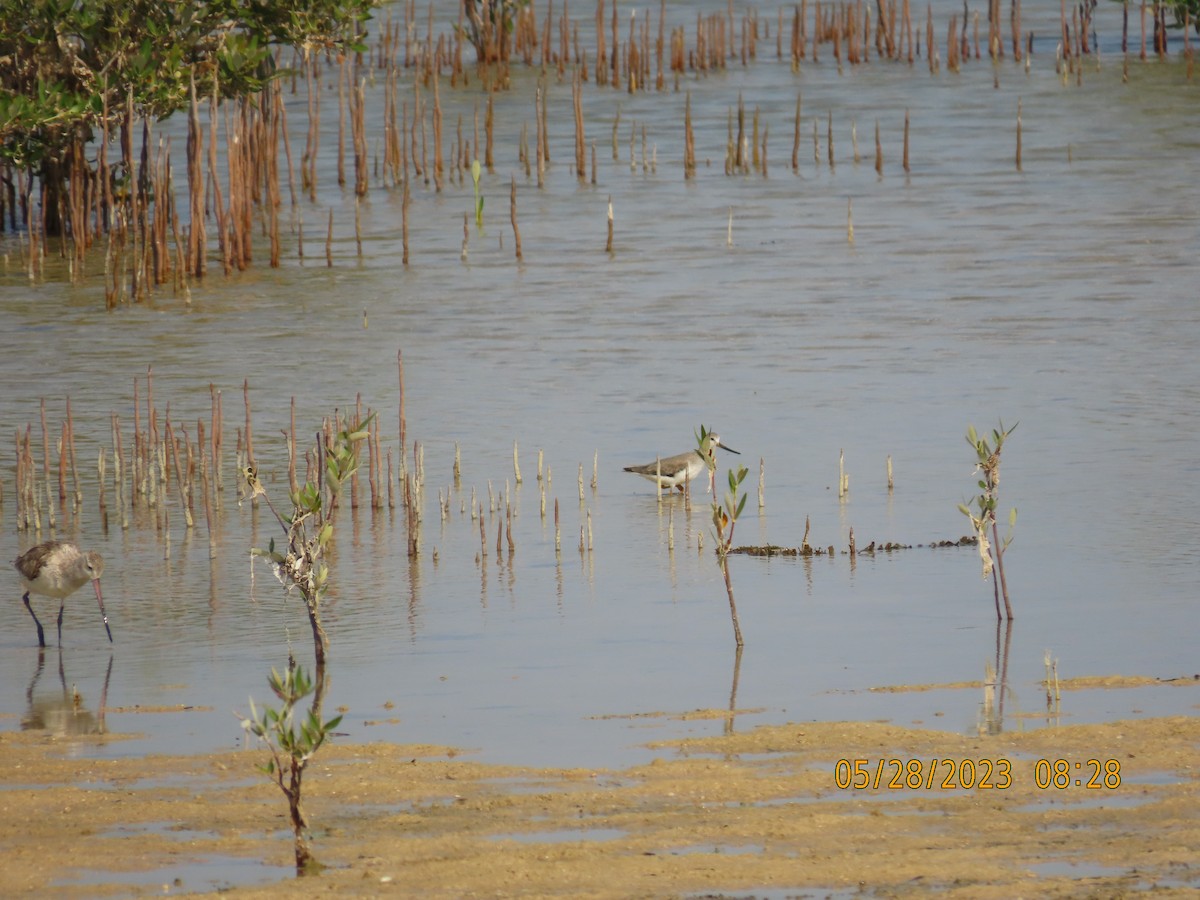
[741, 814]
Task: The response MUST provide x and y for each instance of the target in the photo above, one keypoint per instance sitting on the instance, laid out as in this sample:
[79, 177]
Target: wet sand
[739, 815]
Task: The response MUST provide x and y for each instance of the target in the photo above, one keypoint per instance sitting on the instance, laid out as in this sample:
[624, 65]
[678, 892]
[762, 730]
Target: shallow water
[1062, 297]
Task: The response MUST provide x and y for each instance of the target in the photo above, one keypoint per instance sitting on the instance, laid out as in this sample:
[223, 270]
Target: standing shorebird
[676, 471]
[58, 569]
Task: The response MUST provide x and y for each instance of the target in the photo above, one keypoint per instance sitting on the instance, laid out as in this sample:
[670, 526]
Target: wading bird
[58, 569]
[676, 471]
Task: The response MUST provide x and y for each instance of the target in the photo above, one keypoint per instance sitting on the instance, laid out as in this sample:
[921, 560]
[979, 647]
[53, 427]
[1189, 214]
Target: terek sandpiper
[676, 471]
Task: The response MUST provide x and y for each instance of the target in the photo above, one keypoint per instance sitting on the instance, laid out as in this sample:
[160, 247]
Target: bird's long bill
[103, 614]
[730, 449]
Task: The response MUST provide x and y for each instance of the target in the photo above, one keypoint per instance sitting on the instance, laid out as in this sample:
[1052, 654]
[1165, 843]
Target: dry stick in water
[404, 203]
[539, 139]
[46, 465]
[358, 226]
[151, 417]
[829, 140]
[173, 448]
[608, 247]
[906, 169]
[137, 437]
[376, 467]
[580, 140]
[1018, 134]
[512, 209]
[438, 163]
[557, 532]
[689, 140]
[71, 447]
[205, 490]
[62, 466]
[796, 138]
[249, 431]
[354, 426]
[197, 246]
[878, 151]
[293, 484]
[218, 424]
[487, 156]
[329, 240]
[360, 139]
[341, 129]
[403, 423]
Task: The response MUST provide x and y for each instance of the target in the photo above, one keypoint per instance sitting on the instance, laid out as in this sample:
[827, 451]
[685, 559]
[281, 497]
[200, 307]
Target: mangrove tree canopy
[66, 65]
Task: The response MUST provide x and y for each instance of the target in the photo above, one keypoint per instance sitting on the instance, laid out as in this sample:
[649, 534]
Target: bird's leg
[41, 634]
[60, 609]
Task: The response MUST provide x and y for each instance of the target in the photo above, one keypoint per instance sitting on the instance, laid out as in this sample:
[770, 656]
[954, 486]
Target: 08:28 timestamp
[1093, 774]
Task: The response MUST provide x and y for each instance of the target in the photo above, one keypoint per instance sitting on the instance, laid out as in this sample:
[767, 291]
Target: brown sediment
[424, 821]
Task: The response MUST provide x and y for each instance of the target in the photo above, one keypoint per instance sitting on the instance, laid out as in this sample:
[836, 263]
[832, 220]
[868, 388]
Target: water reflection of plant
[991, 551]
[300, 566]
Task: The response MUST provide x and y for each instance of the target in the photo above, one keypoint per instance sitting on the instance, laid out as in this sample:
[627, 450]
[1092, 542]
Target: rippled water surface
[1062, 296]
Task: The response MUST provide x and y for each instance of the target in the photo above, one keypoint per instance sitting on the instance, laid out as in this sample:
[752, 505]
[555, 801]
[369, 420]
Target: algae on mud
[737, 813]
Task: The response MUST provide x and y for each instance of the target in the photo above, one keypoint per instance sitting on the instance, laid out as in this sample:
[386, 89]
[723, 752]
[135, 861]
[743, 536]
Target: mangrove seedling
[724, 519]
[983, 513]
[291, 745]
[300, 566]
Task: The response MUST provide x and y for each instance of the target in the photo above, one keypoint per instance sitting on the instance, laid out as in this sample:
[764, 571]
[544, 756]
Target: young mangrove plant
[724, 518]
[300, 566]
[291, 747]
[983, 513]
